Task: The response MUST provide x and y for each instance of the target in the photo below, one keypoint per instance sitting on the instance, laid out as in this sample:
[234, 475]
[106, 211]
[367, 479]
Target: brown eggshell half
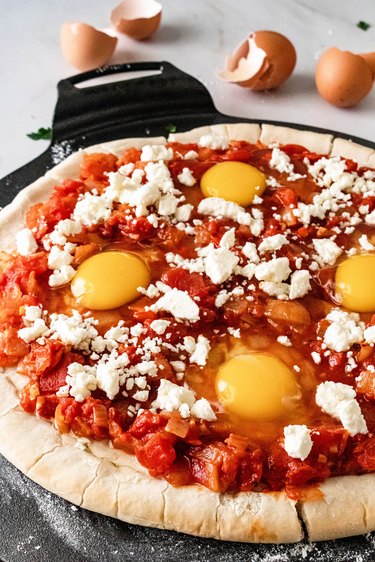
[262, 62]
[84, 46]
[343, 78]
[139, 19]
[370, 59]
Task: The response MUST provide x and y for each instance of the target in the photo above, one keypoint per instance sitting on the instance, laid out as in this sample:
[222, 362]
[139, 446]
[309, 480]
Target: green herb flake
[363, 25]
[170, 128]
[41, 134]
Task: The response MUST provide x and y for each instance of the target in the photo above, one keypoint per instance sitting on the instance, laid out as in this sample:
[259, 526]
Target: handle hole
[110, 78]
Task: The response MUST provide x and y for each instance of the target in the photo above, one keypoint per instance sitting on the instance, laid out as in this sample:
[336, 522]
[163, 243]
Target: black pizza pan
[34, 524]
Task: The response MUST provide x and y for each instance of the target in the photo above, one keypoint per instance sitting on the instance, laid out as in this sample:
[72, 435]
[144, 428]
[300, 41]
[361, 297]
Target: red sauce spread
[229, 453]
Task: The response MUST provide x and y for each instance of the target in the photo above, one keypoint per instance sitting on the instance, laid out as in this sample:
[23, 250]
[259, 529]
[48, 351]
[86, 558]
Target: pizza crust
[97, 477]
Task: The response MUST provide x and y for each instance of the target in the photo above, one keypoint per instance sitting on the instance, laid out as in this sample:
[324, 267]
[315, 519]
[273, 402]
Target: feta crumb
[365, 243]
[250, 251]
[82, 380]
[274, 270]
[25, 242]
[338, 400]
[186, 177]
[272, 243]
[284, 340]
[316, 357]
[202, 409]
[297, 441]
[345, 330]
[201, 351]
[159, 326]
[156, 152]
[299, 284]
[219, 264]
[171, 397]
[179, 304]
[191, 155]
[328, 250]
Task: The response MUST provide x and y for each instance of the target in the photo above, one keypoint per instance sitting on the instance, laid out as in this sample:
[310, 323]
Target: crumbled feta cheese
[57, 257]
[213, 141]
[201, 351]
[108, 379]
[220, 264]
[345, 330]
[272, 243]
[218, 207]
[299, 284]
[191, 155]
[183, 212]
[338, 400]
[275, 289]
[316, 357]
[369, 335]
[32, 313]
[250, 251]
[202, 409]
[228, 239]
[179, 304]
[328, 251]
[167, 205]
[159, 326]
[82, 381]
[365, 243]
[297, 441]
[33, 332]
[280, 161]
[25, 242]
[171, 397]
[72, 330]
[284, 340]
[156, 152]
[274, 270]
[370, 218]
[186, 177]
[92, 209]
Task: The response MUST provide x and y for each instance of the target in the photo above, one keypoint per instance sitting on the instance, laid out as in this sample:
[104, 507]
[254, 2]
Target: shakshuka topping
[206, 306]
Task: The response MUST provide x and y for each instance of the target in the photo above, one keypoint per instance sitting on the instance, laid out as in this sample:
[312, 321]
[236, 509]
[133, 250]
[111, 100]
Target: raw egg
[84, 46]
[262, 62]
[343, 78]
[355, 283]
[109, 280]
[138, 19]
[233, 181]
[257, 386]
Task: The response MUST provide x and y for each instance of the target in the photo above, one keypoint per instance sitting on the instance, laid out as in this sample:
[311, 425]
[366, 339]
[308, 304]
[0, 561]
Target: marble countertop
[195, 36]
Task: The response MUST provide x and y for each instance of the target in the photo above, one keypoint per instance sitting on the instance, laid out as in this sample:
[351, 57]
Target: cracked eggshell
[343, 78]
[84, 46]
[139, 19]
[262, 62]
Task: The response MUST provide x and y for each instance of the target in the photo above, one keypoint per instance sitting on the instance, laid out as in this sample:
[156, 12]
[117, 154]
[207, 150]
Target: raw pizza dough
[97, 477]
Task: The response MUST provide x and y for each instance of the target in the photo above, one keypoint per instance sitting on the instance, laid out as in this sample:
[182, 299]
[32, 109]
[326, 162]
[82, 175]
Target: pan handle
[85, 112]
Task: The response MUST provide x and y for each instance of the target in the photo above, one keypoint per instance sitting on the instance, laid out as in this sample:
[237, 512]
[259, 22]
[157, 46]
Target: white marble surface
[195, 35]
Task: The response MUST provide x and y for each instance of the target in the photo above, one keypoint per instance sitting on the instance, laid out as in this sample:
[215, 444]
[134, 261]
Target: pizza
[187, 332]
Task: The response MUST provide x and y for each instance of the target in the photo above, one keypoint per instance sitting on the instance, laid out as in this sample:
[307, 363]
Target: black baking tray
[36, 525]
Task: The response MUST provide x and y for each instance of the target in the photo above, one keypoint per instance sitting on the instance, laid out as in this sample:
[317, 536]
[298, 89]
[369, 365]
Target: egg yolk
[355, 283]
[257, 386]
[109, 280]
[233, 181]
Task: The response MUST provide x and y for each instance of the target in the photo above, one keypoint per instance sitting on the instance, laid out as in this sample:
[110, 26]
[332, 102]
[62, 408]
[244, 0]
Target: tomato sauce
[229, 454]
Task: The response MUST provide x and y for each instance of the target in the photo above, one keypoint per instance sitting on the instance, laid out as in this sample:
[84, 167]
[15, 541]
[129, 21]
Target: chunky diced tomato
[96, 166]
[50, 380]
[157, 454]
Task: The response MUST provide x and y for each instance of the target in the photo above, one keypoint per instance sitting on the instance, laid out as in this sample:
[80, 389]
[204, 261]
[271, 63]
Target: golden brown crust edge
[101, 479]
